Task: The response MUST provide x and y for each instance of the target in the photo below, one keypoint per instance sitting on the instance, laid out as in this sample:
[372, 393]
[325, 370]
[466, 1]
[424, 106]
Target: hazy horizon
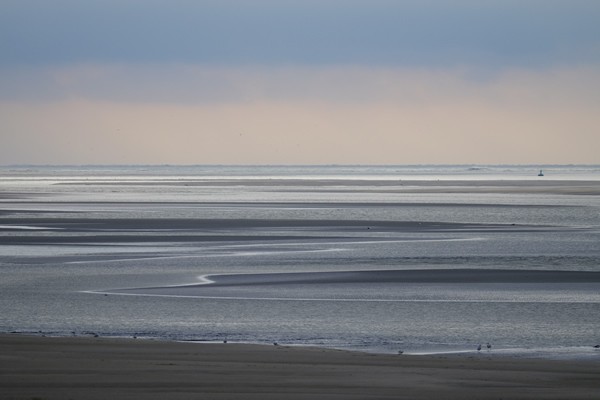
[303, 165]
[298, 165]
[302, 83]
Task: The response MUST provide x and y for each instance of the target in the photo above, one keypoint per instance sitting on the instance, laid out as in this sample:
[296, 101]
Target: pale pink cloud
[303, 116]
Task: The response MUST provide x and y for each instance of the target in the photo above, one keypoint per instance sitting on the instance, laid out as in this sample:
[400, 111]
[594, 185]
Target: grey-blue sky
[308, 32]
[299, 81]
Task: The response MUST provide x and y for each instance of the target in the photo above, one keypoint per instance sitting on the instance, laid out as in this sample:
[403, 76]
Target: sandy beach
[100, 368]
[377, 265]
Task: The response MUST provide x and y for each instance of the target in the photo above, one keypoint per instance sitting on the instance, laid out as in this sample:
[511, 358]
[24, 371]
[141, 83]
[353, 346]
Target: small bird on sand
[479, 348]
[489, 346]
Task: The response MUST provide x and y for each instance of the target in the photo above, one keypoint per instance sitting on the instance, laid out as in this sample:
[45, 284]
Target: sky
[299, 82]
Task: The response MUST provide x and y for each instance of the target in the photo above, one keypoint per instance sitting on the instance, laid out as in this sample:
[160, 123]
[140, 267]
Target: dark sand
[467, 276]
[100, 368]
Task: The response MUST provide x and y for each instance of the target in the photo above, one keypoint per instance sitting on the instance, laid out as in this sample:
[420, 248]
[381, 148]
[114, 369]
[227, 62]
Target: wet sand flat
[475, 184]
[211, 284]
[100, 368]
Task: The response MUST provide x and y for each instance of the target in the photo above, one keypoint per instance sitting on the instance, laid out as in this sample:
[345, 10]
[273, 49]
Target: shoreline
[94, 368]
[587, 353]
[365, 267]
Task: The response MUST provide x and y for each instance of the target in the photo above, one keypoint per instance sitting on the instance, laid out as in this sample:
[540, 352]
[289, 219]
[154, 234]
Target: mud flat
[101, 368]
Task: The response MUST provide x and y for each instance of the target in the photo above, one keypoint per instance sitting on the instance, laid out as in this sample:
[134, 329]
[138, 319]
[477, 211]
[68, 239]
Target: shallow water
[121, 250]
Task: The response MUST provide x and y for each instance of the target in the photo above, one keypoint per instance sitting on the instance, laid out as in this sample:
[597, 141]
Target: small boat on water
[541, 173]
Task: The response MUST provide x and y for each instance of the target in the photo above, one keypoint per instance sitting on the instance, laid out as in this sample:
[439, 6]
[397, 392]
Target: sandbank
[101, 368]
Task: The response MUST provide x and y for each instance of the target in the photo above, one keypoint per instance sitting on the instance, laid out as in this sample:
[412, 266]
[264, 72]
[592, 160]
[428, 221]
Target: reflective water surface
[307, 255]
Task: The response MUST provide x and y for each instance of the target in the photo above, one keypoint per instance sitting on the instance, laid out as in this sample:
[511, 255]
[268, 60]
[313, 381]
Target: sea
[413, 259]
